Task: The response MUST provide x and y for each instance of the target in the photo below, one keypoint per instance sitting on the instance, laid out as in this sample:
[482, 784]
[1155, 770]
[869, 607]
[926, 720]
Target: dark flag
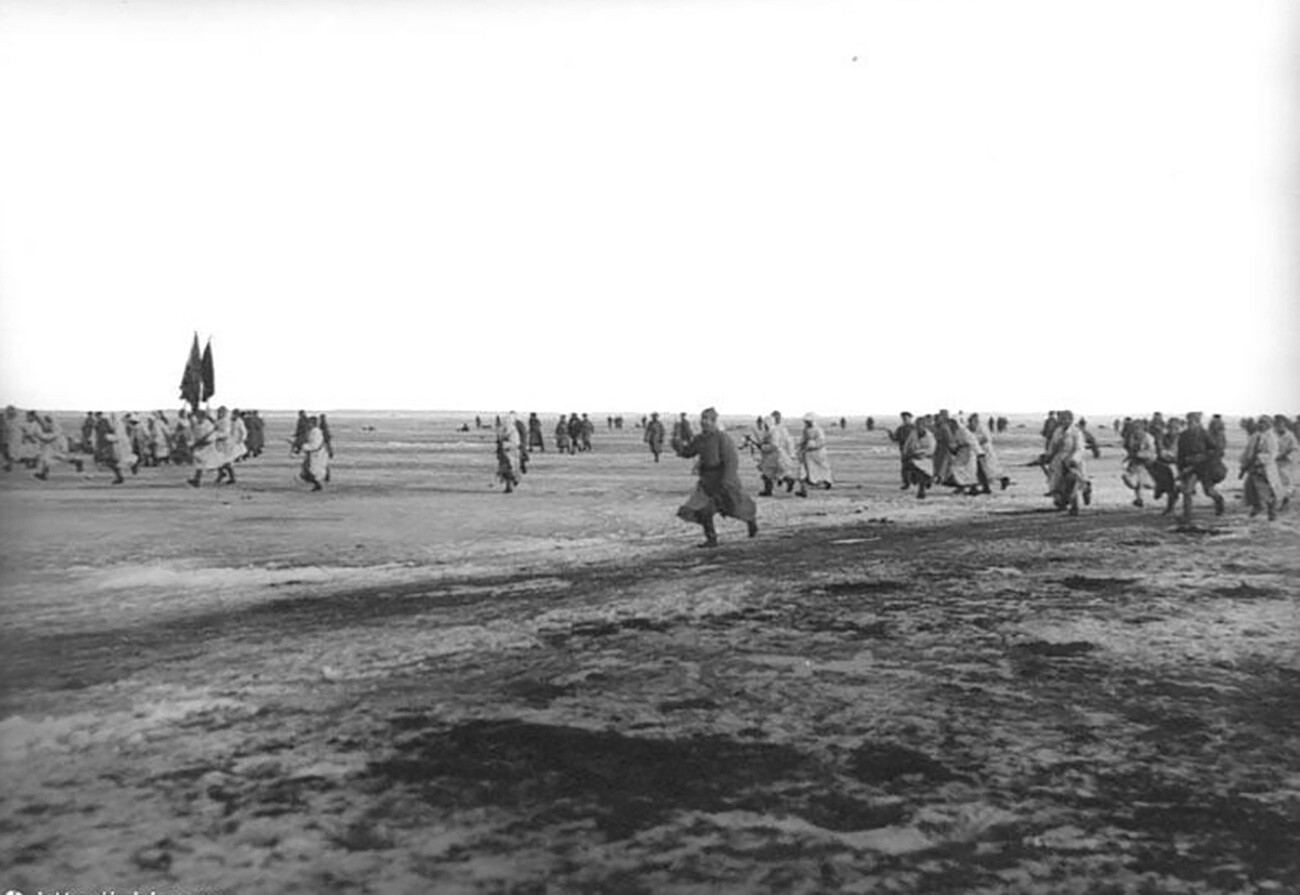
[192, 379]
[209, 377]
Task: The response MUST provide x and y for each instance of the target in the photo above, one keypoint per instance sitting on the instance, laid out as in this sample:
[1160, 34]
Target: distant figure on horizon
[256, 433]
[682, 431]
[563, 443]
[522, 431]
[509, 453]
[535, 437]
[654, 435]
[575, 433]
[300, 432]
[316, 458]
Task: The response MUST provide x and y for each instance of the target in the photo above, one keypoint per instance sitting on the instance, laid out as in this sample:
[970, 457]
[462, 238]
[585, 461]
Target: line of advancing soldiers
[201, 439]
[1171, 458]
[939, 450]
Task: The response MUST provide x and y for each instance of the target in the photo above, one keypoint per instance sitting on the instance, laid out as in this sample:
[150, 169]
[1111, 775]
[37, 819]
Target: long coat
[776, 452]
[988, 455]
[207, 439]
[965, 456]
[1259, 464]
[654, 435]
[316, 458]
[718, 489]
[812, 456]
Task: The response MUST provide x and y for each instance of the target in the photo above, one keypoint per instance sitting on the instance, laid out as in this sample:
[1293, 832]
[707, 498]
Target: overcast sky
[846, 207]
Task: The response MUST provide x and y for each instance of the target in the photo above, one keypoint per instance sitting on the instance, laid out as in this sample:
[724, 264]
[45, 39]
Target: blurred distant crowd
[200, 439]
[1171, 458]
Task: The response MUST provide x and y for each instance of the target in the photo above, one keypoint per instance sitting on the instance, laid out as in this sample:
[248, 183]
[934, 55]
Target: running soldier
[814, 468]
[1199, 460]
[917, 450]
[316, 458]
[718, 489]
[1139, 457]
[1285, 459]
[1259, 467]
[53, 445]
[1065, 462]
[776, 464]
[900, 437]
[989, 467]
[509, 453]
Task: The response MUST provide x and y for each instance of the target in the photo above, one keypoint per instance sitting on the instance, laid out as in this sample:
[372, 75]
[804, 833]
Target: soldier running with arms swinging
[718, 489]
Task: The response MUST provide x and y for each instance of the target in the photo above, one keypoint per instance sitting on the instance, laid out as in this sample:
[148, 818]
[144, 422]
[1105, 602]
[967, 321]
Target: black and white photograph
[530, 447]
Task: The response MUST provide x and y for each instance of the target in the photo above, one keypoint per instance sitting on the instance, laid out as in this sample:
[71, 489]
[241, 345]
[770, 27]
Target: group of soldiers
[941, 450]
[1172, 457]
[200, 438]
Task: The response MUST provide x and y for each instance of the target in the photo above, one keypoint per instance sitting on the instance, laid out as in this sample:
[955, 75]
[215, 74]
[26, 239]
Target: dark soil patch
[853, 588]
[1097, 585]
[559, 774]
[683, 705]
[1056, 650]
[1212, 829]
[1244, 591]
[885, 762]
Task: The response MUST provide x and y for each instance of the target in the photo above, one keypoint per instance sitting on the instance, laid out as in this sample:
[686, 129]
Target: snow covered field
[412, 682]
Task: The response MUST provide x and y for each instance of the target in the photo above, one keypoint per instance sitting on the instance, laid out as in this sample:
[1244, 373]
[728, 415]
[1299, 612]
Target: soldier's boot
[1272, 510]
[752, 525]
[80, 467]
[1187, 509]
[767, 488]
[194, 482]
[1171, 498]
[1219, 504]
[710, 534]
